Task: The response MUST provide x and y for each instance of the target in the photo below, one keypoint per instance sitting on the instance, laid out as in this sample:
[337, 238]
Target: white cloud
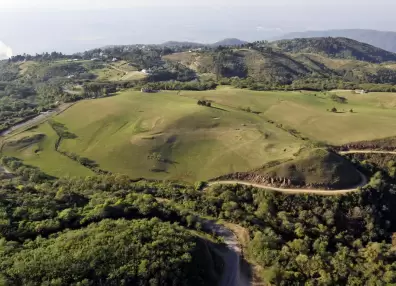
[5, 51]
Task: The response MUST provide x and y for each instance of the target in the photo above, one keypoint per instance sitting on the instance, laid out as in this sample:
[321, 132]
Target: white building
[362, 91]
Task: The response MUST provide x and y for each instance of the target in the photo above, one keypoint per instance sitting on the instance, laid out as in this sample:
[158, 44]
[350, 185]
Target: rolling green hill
[160, 136]
[310, 168]
[317, 168]
[168, 135]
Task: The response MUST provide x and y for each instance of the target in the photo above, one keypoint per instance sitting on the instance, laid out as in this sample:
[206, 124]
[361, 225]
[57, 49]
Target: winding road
[32, 121]
[366, 152]
[364, 180]
[232, 271]
[41, 118]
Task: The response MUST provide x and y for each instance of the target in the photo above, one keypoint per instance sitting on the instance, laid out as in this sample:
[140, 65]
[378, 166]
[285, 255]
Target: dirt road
[32, 121]
[297, 191]
[366, 152]
[233, 276]
[41, 118]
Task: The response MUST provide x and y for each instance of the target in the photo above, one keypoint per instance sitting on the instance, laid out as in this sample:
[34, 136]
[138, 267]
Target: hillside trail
[363, 182]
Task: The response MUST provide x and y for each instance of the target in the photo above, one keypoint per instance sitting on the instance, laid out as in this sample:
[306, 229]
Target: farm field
[169, 136]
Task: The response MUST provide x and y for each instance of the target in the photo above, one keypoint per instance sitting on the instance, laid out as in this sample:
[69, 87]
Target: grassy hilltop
[169, 136]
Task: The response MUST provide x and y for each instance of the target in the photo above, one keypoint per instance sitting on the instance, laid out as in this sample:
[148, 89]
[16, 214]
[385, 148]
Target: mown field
[169, 136]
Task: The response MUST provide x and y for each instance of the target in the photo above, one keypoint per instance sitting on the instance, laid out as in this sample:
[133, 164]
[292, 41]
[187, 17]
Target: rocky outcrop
[386, 144]
[271, 181]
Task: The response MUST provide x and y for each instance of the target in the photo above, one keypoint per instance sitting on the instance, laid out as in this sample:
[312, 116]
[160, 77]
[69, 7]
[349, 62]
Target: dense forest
[96, 231]
[342, 240]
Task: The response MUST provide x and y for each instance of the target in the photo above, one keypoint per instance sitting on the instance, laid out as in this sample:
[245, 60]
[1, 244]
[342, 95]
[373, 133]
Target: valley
[265, 163]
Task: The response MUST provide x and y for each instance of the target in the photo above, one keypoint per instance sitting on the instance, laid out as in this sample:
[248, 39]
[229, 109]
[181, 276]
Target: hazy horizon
[74, 26]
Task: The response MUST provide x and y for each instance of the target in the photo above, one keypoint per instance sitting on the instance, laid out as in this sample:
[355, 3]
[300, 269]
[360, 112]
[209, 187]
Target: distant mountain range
[229, 42]
[381, 39]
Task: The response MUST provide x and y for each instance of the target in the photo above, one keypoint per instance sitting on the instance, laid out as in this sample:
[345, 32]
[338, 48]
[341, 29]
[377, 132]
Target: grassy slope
[260, 66]
[128, 133]
[199, 62]
[46, 158]
[316, 168]
[118, 71]
[374, 115]
[121, 133]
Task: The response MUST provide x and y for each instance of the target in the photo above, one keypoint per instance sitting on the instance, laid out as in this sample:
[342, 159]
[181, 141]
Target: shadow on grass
[218, 108]
[157, 170]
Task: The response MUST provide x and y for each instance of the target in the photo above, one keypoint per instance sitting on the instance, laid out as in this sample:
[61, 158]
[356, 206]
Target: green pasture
[169, 136]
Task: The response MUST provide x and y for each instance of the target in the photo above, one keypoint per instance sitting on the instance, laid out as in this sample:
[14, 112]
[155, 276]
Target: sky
[104, 4]
[35, 26]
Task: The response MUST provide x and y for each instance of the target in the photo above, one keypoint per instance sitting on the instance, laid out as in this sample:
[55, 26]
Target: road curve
[366, 152]
[32, 121]
[363, 182]
[232, 274]
[296, 191]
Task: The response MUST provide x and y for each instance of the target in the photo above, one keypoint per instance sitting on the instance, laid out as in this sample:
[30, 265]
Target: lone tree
[334, 109]
[351, 111]
[204, 103]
